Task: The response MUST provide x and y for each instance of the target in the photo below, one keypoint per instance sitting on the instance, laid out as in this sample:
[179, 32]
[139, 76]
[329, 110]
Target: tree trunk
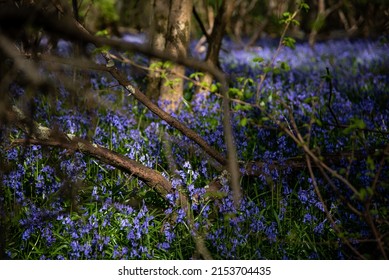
[157, 33]
[322, 14]
[170, 31]
[215, 39]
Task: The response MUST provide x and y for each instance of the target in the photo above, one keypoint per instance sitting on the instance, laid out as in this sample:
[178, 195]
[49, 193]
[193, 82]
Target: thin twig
[329, 81]
[328, 214]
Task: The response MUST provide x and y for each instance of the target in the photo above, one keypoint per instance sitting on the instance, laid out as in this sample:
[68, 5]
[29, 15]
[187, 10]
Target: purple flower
[320, 227]
[271, 232]
[308, 218]
[164, 246]
[180, 216]
[169, 234]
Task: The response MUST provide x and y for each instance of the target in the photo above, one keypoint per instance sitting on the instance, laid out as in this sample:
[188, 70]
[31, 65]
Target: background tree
[215, 38]
[170, 32]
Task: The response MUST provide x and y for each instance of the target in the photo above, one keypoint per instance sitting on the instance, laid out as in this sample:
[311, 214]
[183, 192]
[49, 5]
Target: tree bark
[170, 31]
[157, 41]
[216, 37]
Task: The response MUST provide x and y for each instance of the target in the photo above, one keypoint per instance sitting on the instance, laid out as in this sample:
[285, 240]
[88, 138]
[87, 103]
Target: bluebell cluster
[64, 205]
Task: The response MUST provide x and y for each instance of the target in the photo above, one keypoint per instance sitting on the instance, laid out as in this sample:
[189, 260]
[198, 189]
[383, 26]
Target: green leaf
[102, 33]
[319, 122]
[258, 59]
[289, 42]
[196, 75]
[270, 98]
[235, 92]
[286, 18]
[267, 69]
[304, 6]
[103, 49]
[204, 84]
[370, 163]
[360, 124]
[248, 94]
[355, 124]
[243, 122]
[214, 88]
[156, 65]
[240, 79]
[250, 81]
[243, 107]
[167, 64]
[285, 66]
[296, 22]
[187, 96]
[286, 15]
[363, 194]
[276, 70]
